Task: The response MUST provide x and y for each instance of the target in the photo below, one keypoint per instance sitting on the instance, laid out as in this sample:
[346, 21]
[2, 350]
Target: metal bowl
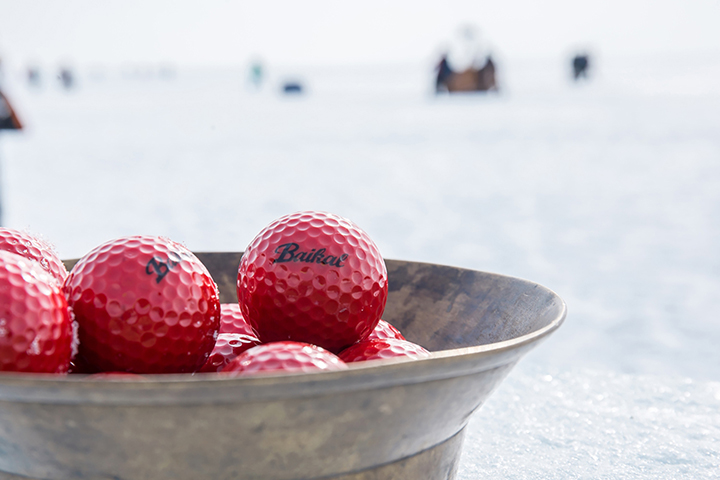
[378, 420]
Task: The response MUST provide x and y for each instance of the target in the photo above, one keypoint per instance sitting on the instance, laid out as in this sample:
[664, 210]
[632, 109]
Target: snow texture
[591, 424]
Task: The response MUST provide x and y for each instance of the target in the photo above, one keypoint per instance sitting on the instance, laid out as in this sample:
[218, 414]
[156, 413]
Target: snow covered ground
[607, 192]
[575, 423]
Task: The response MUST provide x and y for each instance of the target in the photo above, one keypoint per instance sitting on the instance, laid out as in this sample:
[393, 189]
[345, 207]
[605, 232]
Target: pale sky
[330, 32]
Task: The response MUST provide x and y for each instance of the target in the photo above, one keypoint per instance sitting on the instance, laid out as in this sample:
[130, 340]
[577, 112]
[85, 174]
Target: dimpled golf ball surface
[385, 330]
[36, 331]
[382, 349]
[227, 347]
[145, 305]
[312, 277]
[295, 357]
[33, 248]
[232, 320]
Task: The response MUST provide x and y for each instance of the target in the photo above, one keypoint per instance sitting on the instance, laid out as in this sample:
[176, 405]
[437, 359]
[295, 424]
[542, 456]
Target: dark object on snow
[8, 118]
[292, 87]
[257, 74]
[67, 79]
[33, 76]
[580, 66]
[471, 80]
[443, 73]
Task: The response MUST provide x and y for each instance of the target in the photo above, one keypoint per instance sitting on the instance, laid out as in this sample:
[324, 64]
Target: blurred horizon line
[10, 64]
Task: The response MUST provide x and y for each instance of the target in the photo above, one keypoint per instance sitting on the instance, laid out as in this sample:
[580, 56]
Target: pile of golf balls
[311, 289]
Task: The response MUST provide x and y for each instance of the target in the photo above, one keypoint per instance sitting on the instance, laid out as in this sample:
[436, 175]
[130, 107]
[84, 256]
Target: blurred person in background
[580, 65]
[443, 73]
[66, 77]
[33, 75]
[8, 120]
[256, 74]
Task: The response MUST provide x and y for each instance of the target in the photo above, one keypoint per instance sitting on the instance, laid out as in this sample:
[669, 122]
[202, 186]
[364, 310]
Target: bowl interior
[439, 307]
[442, 307]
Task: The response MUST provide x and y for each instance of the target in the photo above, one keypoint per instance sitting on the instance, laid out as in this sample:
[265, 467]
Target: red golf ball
[312, 277]
[385, 330]
[284, 356]
[380, 349]
[145, 305]
[227, 347]
[33, 248]
[36, 329]
[232, 320]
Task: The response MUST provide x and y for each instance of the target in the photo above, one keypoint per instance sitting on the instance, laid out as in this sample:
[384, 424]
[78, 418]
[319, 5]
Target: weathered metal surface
[374, 421]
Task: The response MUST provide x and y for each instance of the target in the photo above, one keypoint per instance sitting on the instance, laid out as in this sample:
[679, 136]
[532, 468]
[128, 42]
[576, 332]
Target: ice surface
[606, 192]
[590, 424]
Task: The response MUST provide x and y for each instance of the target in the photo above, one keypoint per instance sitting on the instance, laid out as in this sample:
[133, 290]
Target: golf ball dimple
[312, 277]
[143, 304]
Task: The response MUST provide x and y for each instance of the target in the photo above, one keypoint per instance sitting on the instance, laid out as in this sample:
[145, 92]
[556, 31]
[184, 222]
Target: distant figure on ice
[473, 79]
[8, 118]
[256, 74]
[67, 79]
[580, 64]
[443, 73]
[33, 76]
[8, 121]
[292, 87]
[486, 75]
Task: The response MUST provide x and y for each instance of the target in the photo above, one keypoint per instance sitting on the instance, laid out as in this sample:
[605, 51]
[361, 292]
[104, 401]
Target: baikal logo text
[160, 267]
[289, 252]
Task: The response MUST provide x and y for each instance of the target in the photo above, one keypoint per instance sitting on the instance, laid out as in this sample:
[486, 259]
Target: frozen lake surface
[606, 192]
[589, 424]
